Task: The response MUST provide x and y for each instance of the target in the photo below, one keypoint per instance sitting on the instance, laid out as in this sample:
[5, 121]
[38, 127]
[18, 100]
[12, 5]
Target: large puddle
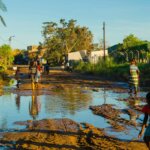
[71, 102]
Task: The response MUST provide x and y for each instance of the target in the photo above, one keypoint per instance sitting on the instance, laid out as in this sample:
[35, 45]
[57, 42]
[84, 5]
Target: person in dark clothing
[47, 68]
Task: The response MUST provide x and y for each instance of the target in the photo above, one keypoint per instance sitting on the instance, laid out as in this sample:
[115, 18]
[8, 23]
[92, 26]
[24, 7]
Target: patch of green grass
[112, 70]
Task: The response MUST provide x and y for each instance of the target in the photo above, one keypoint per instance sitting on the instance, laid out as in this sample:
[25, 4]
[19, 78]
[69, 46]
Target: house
[77, 56]
[32, 49]
[95, 55]
[83, 55]
[36, 50]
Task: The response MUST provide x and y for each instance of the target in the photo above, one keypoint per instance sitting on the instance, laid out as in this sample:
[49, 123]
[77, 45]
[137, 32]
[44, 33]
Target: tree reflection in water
[34, 105]
[18, 101]
[68, 99]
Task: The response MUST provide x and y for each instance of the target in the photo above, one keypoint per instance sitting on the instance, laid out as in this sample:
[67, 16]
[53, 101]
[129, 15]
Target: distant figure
[68, 67]
[17, 75]
[38, 74]
[134, 77]
[33, 70]
[146, 111]
[47, 68]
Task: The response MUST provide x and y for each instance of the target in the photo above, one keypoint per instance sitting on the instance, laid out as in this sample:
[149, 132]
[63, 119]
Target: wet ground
[91, 104]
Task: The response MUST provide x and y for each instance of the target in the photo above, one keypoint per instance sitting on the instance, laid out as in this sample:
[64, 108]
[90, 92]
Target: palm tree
[3, 8]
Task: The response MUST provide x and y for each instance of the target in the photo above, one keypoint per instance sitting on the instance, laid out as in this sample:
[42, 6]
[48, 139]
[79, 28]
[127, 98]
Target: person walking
[38, 74]
[47, 68]
[134, 77]
[146, 111]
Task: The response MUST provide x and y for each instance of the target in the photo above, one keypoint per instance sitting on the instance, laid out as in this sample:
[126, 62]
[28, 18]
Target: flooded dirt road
[70, 111]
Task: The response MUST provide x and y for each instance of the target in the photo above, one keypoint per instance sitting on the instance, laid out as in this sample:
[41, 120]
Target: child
[134, 77]
[146, 111]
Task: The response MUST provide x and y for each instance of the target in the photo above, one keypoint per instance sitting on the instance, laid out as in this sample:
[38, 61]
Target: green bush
[107, 68]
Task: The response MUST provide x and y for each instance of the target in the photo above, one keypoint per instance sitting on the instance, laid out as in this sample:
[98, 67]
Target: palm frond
[2, 20]
[2, 6]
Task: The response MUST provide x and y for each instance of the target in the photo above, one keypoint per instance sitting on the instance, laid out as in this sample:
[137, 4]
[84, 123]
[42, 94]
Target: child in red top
[146, 111]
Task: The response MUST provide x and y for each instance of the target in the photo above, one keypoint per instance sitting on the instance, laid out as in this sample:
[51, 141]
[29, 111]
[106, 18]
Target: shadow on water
[68, 102]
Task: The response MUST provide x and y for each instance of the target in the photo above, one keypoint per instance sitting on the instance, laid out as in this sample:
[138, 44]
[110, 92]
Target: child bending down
[146, 111]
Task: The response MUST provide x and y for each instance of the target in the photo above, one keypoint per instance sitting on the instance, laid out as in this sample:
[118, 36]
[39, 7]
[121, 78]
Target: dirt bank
[64, 134]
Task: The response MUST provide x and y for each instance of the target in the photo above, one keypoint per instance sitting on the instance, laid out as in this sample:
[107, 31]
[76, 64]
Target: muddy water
[70, 102]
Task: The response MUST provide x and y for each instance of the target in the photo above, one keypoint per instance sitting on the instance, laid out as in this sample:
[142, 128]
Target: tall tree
[132, 47]
[3, 8]
[131, 41]
[65, 37]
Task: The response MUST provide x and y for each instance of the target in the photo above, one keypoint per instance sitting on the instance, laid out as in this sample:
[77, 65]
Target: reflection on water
[18, 102]
[70, 102]
[34, 105]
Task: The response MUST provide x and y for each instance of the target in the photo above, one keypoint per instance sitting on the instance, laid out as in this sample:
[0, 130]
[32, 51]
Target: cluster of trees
[132, 47]
[6, 56]
[9, 56]
[65, 37]
[20, 56]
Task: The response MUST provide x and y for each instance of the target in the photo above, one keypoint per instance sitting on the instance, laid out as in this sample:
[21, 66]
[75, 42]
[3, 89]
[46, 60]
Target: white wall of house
[74, 56]
[93, 58]
[95, 55]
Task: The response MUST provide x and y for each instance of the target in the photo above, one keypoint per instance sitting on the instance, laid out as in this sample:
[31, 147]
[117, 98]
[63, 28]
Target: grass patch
[112, 70]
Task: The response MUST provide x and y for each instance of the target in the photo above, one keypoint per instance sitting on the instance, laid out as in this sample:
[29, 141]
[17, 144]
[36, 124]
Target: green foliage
[132, 47]
[101, 67]
[131, 41]
[6, 56]
[20, 56]
[65, 37]
[111, 70]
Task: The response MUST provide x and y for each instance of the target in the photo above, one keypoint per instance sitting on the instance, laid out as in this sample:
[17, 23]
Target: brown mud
[113, 115]
[65, 133]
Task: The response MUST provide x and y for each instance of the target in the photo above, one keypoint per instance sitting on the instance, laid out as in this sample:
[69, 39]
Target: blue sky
[24, 19]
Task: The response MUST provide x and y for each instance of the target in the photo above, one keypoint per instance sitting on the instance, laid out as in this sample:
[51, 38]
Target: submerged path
[64, 134]
[56, 78]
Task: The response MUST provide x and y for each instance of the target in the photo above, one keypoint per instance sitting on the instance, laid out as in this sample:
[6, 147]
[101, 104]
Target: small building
[83, 55]
[32, 48]
[78, 55]
[96, 55]
[36, 51]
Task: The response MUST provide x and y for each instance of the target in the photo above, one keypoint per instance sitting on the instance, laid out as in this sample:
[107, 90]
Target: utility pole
[10, 39]
[104, 43]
